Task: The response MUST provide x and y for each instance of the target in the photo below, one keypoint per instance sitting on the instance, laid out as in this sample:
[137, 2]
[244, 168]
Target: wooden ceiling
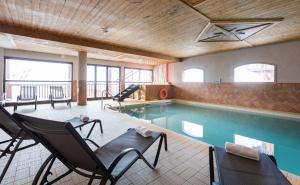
[46, 46]
[142, 31]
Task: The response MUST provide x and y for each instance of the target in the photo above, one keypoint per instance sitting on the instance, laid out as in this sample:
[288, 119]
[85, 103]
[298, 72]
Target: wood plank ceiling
[157, 30]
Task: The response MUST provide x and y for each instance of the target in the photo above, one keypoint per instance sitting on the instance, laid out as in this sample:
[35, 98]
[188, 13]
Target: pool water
[274, 135]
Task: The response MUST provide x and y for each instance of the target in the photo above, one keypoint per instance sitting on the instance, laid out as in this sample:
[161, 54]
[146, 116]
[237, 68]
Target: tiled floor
[186, 162]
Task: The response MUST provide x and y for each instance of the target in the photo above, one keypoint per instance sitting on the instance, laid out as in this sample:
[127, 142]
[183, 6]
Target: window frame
[95, 80]
[182, 73]
[275, 72]
[139, 70]
[35, 60]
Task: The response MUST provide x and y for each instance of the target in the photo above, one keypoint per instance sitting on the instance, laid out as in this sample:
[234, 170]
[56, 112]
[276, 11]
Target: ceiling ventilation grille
[229, 31]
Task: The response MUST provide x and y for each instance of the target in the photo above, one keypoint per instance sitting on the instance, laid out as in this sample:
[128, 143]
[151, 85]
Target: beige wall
[286, 57]
[281, 96]
[53, 57]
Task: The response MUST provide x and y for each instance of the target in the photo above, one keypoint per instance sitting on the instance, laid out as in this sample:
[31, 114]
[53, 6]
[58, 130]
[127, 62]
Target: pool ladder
[104, 92]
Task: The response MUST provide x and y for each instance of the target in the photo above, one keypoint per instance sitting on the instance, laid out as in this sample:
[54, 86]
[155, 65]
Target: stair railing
[104, 92]
[126, 76]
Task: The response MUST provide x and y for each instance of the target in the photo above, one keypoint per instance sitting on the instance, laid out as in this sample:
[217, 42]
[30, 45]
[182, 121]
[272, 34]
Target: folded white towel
[242, 151]
[84, 118]
[143, 131]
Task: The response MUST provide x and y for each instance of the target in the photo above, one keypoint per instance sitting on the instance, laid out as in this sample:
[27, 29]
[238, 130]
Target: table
[77, 123]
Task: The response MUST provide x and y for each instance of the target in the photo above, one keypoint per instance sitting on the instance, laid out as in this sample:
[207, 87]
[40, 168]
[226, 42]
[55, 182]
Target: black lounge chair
[108, 162]
[27, 97]
[10, 126]
[236, 170]
[57, 95]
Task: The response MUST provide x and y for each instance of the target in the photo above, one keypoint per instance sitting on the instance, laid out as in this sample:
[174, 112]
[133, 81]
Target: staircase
[126, 93]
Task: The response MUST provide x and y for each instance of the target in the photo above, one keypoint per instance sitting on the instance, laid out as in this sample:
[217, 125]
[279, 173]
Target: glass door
[113, 80]
[91, 77]
[101, 79]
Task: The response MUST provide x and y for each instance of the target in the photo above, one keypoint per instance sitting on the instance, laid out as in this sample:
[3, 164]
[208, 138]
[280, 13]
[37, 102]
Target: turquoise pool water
[274, 135]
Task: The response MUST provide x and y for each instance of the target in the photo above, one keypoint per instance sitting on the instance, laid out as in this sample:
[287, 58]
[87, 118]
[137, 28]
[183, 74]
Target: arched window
[193, 75]
[255, 73]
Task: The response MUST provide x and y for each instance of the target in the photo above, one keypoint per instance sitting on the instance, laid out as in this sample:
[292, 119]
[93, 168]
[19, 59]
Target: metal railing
[107, 93]
[94, 89]
[127, 84]
[12, 89]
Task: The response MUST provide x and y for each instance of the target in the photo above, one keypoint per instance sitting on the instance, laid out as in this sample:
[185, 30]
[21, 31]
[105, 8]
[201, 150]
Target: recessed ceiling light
[104, 29]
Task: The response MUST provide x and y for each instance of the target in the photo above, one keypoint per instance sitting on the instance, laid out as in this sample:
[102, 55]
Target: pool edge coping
[239, 109]
[263, 112]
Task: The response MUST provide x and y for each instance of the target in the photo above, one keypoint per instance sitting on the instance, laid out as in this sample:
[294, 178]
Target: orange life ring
[163, 93]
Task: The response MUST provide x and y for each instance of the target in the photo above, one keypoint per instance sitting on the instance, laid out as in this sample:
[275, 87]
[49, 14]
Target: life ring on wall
[163, 93]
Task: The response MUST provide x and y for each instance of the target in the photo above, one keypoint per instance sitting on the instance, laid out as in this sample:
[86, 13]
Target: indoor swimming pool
[279, 136]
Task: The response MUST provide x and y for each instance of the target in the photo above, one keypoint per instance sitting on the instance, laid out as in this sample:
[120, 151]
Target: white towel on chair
[84, 118]
[242, 151]
[143, 131]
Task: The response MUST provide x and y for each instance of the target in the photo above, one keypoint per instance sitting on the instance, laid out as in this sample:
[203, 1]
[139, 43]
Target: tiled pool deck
[186, 162]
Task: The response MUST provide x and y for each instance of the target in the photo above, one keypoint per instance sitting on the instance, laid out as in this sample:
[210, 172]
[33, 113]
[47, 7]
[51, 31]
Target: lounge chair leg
[166, 141]
[91, 130]
[15, 108]
[9, 140]
[10, 160]
[158, 150]
[100, 125]
[39, 173]
[93, 177]
[211, 165]
[48, 172]
[59, 177]
[11, 144]
[6, 150]
[103, 181]
[113, 182]
[148, 164]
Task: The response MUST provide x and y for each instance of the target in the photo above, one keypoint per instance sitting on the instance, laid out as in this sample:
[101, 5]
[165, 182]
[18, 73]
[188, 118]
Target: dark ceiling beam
[79, 41]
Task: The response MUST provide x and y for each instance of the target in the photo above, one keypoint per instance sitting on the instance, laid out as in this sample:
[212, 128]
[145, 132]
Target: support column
[122, 79]
[82, 68]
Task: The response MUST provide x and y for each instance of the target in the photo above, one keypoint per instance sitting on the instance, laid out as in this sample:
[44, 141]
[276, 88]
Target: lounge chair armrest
[91, 141]
[121, 155]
